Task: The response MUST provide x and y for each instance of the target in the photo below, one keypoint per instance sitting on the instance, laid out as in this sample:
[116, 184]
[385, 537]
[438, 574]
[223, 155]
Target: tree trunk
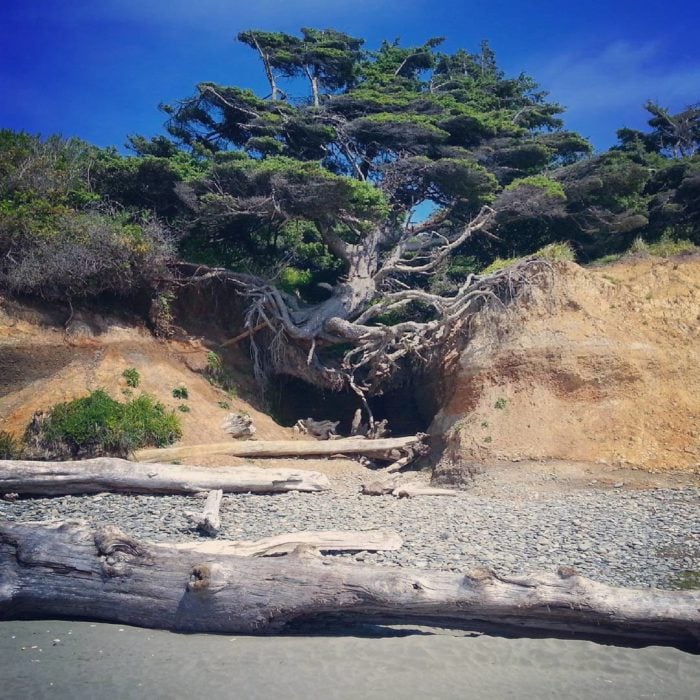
[122, 476]
[72, 570]
[380, 449]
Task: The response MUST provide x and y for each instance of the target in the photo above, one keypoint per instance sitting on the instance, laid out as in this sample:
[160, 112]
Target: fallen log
[209, 521]
[379, 449]
[322, 541]
[418, 489]
[320, 429]
[73, 570]
[122, 476]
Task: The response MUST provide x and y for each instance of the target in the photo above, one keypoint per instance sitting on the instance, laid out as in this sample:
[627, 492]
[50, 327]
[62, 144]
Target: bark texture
[322, 541]
[121, 476]
[72, 570]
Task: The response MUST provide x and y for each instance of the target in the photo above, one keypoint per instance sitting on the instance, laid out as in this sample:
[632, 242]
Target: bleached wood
[209, 521]
[380, 449]
[417, 489]
[122, 476]
[323, 541]
[71, 570]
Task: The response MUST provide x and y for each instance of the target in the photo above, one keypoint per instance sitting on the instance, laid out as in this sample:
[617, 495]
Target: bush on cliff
[97, 425]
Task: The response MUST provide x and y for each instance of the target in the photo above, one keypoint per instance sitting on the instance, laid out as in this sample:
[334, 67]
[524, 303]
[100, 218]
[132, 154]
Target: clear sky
[98, 68]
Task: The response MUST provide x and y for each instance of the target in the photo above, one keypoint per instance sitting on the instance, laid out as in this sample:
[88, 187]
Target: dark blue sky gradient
[98, 68]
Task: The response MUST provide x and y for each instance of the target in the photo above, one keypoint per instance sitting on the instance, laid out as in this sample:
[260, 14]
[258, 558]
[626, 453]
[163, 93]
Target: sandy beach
[92, 660]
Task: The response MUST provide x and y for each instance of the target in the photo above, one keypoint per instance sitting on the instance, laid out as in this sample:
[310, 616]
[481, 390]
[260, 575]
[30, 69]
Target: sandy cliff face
[43, 362]
[602, 367]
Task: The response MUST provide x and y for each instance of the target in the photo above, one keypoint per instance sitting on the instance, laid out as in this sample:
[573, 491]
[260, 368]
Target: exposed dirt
[603, 368]
[591, 384]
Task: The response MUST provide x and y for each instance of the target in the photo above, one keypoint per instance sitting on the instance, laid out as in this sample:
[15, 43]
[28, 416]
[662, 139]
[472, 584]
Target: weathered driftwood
[322, 541]
[238, 425]
[376, 488]
[418, 489]
[122, 476]
[399, 464]
[321, 429]
[209, 521]
[389, 449]
[72, 570]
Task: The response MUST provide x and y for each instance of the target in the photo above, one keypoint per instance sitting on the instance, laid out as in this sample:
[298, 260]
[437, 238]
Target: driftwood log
[320, 429]
[209, 521]
[72, 570]
[238, 425]
[321, 540]
[418, 489]
[389, 449]
[121, 476]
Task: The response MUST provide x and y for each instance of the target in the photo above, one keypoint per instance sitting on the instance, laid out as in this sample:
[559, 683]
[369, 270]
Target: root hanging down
[345, 342]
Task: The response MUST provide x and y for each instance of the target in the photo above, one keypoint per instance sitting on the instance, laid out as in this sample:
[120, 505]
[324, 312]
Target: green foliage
[551, 187]
[181, 392]
[10, 446]
[224, 404]
[666, 247]
[381, 132]
[132, 377]
[556, 252]
[58, 238]
[499, 264]
[184, 408]
[292, 279]
[218, 374]
[97, 424]
[500, 404]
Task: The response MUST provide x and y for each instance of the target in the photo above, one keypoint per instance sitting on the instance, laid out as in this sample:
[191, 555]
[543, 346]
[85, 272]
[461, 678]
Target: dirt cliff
[45, 359]
[602, 367]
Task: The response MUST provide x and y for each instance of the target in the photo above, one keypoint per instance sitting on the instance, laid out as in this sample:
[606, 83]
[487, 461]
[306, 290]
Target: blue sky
[98, 68]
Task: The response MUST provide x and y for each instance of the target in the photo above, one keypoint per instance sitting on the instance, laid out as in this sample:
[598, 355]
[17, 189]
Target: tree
[646, 186]
[392, 165]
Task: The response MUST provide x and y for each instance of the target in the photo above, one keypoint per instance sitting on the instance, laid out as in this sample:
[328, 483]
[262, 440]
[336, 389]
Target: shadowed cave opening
[409, 408]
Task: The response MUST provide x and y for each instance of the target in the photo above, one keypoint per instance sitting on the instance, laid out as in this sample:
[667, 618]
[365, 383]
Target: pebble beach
[635, 538]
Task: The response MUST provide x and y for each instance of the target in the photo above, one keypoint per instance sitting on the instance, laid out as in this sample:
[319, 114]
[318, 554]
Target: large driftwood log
[209, 520]
[122, 476]
[322, 540]
[72, 570]
[387, 448]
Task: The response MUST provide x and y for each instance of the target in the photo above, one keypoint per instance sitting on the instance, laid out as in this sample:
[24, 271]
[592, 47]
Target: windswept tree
[387, 168]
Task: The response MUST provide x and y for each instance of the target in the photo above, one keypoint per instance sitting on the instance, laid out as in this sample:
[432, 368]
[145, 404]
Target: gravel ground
[622, 537]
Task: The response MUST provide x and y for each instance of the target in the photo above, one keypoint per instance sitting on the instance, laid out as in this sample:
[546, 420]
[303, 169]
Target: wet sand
[94, 660]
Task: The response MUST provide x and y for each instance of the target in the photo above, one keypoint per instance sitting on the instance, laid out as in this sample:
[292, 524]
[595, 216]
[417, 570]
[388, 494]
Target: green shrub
[132, 377]
[97, 425]
[666, 247]
[10, 446]
[556, 252]
[551, 187]
[184, 408]
[218, 375]
[181, 392]
[499, 264]
[500, 404]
